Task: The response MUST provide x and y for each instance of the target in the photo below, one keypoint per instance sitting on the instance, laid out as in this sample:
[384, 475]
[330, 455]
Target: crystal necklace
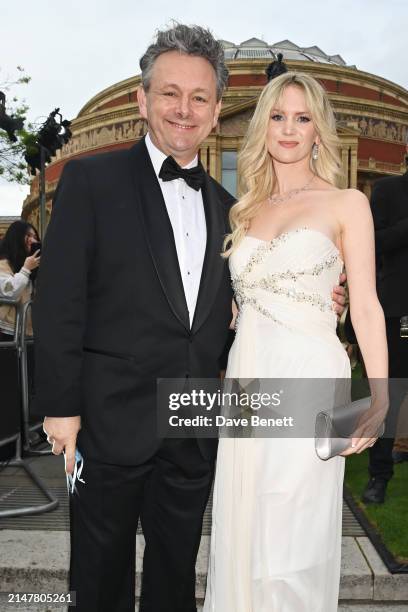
[277, 199]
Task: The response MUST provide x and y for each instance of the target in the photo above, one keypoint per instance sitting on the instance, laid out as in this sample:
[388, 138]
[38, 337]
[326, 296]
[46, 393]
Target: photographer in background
[19, 257]
[389, 205]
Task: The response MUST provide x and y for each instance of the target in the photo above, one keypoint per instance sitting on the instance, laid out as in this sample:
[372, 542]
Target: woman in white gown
[276, 538]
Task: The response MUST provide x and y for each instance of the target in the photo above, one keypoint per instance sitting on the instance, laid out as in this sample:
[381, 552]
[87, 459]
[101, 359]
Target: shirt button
[186, 233]
[188, 273]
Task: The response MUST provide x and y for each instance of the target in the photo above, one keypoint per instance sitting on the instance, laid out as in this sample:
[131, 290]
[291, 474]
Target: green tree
[13, 167]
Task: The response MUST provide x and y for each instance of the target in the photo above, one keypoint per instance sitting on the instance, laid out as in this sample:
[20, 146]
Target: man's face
[181, 105]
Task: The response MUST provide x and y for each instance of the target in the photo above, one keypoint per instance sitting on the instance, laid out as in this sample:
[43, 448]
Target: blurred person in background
[389, 205]
[18, 259]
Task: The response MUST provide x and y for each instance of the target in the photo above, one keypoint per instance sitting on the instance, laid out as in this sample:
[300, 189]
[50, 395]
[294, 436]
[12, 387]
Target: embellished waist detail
[282, 283]
[243, 287]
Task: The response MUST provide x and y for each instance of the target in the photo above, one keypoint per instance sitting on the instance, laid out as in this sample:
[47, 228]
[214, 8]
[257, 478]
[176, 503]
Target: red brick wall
[332, 86]
[390, 152]
[244, 80]
[125, 99]
[52, 173]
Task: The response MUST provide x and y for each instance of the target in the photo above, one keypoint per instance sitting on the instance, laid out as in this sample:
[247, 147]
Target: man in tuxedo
[132, 289]
[389, 204]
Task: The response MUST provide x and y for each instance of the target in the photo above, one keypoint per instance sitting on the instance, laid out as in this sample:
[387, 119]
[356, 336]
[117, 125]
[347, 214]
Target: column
[353, 168]
[345, 167]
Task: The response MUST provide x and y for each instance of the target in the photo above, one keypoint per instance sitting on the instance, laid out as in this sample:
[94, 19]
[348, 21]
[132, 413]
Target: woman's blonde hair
[255, 168]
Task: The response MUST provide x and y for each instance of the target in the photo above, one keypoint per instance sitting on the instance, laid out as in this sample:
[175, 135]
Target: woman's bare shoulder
[353, 199]
[353, 194]
[348, 199]
[353, 208]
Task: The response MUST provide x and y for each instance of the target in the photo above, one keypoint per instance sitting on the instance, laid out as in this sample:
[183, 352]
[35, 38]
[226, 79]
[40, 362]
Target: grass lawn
[391, 518]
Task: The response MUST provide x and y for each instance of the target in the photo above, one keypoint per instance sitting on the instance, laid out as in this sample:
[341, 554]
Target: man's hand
[339, 296]
[62, 434]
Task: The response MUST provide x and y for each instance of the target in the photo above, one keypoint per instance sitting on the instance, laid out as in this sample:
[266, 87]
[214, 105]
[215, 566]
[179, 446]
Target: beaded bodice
[292, 275]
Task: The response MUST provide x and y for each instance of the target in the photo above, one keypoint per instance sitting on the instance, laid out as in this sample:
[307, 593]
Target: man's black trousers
[169, 493]
[381, 463]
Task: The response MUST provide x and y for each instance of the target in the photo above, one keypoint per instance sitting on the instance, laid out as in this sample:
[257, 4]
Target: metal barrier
[13, 419]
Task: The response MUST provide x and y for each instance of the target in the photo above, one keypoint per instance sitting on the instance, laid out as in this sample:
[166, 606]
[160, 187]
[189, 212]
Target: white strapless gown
[276, 536]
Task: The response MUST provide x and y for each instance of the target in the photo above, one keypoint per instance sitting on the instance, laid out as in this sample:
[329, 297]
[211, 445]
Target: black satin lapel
[214, 264]
[158, 230]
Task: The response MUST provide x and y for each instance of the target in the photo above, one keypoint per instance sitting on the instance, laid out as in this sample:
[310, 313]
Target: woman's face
[291, 132]
[29, 239]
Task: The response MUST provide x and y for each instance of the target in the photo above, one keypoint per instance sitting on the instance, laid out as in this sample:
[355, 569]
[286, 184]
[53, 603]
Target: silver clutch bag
[334, 429]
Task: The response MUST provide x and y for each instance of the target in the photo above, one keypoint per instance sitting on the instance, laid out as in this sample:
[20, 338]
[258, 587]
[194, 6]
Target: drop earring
[315, 151]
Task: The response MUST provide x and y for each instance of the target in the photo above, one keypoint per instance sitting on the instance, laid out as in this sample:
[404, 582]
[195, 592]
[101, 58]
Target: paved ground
[367, 607]
[35, 559]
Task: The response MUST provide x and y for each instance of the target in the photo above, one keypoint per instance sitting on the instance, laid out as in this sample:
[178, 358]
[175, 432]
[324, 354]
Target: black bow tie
[194, 177]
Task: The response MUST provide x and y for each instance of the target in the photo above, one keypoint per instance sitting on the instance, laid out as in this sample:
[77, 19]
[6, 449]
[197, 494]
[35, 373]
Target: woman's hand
[367, 430]
[32, 262]
[358, 445]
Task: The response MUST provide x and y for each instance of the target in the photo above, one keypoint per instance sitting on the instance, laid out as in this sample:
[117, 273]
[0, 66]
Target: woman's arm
[13, 285]
[366, 312]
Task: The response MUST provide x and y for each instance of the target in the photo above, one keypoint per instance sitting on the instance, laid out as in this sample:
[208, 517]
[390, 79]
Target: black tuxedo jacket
[389, 205]
[110, 315]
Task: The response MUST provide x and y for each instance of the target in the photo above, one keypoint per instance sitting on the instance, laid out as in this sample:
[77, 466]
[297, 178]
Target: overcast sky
[73, 50]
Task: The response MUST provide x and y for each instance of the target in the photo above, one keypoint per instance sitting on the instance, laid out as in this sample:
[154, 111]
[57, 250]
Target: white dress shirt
[186, 211]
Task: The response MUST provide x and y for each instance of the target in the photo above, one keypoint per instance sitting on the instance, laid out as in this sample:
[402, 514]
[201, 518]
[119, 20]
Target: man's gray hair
[191, 40]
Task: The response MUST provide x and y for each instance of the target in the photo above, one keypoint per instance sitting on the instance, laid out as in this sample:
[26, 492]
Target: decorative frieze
[376, 128]
[132, 129]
